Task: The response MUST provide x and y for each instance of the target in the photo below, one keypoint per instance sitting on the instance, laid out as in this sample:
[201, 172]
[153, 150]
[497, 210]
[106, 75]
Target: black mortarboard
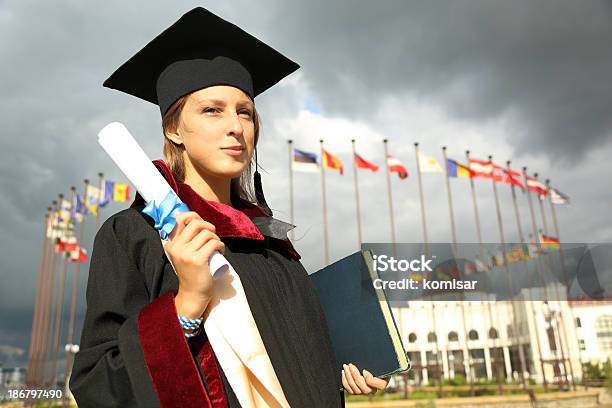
[200, 50]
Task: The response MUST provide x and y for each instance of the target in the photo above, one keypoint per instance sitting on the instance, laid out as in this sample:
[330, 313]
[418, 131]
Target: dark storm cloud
[545, 63]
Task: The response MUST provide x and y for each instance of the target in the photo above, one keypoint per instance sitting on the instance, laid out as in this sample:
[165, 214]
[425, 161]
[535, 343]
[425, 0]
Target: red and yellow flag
[332, 162]
[122, 192]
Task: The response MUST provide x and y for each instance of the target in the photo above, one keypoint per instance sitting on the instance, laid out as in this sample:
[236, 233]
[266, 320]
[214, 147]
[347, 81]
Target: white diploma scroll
[127, 154]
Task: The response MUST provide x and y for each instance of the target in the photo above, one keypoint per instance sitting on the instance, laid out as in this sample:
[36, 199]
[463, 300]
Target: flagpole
[466, 357]
[357, 209]
[476, 217]
[450, 202]
[100, 199]
[556, 225]
[482, 258]
[73, 299]
[290, 152]
[562, 336]
[529, 289]
[48, 309]
[537, 263]
[325, 243]
[423, 216]
[58, 321]
[58, 310]
[426, 253]
[51, 358]
[563, 268]
[42, 330]
[36, 316]
[502, 239]
[389, 196]
[392, 221]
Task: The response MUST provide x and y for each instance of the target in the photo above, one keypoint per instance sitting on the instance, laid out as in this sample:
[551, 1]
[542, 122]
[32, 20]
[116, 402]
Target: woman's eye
[246, 113]
[210, 110]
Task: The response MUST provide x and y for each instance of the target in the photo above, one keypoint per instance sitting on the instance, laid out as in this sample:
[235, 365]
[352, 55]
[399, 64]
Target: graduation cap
[200, 50]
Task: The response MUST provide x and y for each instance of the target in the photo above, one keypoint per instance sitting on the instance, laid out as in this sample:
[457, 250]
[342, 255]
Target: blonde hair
[240, 187]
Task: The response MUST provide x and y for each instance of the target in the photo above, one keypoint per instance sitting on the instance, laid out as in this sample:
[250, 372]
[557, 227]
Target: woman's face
[216, 126]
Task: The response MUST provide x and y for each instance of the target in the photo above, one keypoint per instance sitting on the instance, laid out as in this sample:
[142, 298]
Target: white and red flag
[513, 177]
[481, 168]
[396, 166]
[65, 244]
[536, 186]
[78, 255]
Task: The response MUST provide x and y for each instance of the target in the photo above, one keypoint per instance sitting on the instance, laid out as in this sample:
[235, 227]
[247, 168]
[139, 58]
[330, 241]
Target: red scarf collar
[228, 221]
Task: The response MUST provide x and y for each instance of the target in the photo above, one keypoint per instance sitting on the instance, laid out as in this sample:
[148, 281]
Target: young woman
[143, 342]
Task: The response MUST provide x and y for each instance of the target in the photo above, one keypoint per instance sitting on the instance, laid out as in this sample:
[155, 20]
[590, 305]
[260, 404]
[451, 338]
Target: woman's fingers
[356, 383]
[209, 248]
[188, 225]
[200, 239]
[359, 380]
[346, 383]
[193, 228]
[375, 382]
[181, 221]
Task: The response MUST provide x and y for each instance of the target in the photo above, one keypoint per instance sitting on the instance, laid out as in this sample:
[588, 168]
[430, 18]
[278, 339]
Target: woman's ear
[175, 137]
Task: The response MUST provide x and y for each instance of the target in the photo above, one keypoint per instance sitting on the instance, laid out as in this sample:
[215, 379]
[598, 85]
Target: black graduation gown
[133, 351]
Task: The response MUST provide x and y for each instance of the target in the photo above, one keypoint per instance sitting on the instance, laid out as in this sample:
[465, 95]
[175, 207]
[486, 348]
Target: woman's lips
[233, 151]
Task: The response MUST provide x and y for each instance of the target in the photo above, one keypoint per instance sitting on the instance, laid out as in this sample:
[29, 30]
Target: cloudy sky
[524, 81]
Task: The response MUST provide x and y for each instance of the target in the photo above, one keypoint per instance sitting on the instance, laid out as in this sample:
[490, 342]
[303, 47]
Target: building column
[488, 366]
[509, 375]
[424, 363]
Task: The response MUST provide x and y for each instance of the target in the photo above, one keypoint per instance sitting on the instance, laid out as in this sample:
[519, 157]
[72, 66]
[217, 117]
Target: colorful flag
[121, 193]
[537, 186]
[427, 164]
[489, 170]
[332, 162]
[80, 209]
[396, 166]
[498, 173]
[361, 163]
[304, 161]
[65, 244]
[64, 212]
[559, 198]
[481, 168]
[92, 199]
[457, 169]
[95, 198]
[113, 191]
[78, 255]
[549, 242]
[56, 228]
[109, 191]
[513, 177]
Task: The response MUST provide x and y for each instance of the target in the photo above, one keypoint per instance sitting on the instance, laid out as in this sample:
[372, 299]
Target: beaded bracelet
[190, 325]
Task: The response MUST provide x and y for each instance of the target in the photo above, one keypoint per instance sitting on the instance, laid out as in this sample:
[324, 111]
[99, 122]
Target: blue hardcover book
[361, 324]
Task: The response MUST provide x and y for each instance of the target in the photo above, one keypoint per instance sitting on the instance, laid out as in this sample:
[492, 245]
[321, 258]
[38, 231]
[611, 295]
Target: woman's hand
[189, 247]
[355, 383]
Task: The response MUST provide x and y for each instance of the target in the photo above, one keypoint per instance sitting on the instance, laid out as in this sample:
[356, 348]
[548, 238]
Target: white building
[477, 339]
[593, 320]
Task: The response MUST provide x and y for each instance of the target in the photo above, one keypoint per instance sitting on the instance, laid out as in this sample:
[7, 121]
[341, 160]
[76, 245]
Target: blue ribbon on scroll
[164, 214]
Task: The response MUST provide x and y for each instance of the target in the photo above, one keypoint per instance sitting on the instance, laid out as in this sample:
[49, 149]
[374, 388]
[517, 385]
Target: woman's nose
[234, 126]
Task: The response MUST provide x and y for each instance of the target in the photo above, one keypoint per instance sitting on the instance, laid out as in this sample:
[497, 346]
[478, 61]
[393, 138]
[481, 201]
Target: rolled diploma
[127, 154]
